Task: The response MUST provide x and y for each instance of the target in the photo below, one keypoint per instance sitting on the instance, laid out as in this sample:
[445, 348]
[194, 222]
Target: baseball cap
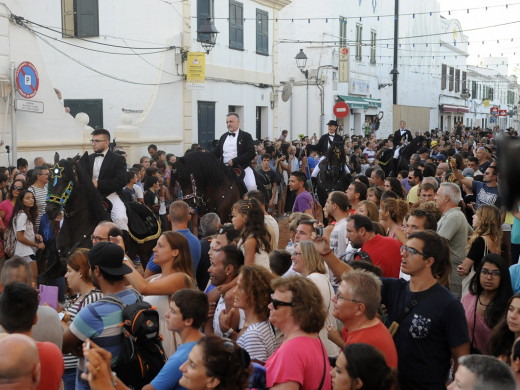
[109, 258]
[440, 157]
[468, 172]
[434, 143]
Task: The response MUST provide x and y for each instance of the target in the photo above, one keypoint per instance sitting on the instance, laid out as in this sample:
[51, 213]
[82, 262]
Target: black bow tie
[98, 155]
[232, 134]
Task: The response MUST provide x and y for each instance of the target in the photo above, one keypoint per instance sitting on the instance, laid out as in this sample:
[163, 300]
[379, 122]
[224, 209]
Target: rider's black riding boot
[126, 239]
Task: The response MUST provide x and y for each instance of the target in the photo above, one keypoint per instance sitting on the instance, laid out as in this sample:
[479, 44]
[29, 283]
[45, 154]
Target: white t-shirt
[22, 224]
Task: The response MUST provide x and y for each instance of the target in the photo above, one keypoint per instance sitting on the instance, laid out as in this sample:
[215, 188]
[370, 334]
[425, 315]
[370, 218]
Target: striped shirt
[259, 340]
[99, 322]
[40, 196]
[80, 302]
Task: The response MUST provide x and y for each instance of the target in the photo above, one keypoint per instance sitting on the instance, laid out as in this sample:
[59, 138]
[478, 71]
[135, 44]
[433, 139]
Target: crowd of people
[408, 279]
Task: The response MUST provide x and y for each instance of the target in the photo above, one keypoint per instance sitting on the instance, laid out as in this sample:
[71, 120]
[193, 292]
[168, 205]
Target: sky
[507, 35]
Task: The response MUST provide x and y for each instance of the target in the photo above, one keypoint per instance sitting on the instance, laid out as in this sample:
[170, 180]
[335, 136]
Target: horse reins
[199, 200]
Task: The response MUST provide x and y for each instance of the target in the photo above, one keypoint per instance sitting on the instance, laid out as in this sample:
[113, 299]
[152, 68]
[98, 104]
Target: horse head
[62, 178]
[335, 160]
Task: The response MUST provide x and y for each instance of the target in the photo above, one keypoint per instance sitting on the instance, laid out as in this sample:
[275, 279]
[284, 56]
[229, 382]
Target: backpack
[142, 355]
[10, 241]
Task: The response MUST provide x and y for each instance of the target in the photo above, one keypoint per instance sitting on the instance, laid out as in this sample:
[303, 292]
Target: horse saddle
[142, 223]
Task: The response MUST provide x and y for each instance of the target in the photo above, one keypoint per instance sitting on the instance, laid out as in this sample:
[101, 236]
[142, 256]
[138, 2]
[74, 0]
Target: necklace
[479, 301]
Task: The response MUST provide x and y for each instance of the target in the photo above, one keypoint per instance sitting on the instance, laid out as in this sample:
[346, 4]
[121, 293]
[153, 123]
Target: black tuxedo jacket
[112, 175]
[324, 143]
[245, 149]
[397, 137]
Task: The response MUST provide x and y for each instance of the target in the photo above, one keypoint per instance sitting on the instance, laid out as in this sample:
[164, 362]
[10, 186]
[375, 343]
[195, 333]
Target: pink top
[482, 331]
[299, 360]
[6, 207]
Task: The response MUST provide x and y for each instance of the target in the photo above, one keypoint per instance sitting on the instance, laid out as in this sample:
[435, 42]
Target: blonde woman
[486, 239]
[368, 209]
[391, 215]
[309, 263]
[172, 254]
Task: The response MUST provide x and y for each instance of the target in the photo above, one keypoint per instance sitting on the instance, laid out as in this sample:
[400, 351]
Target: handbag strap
[474, 321]
[324, 366]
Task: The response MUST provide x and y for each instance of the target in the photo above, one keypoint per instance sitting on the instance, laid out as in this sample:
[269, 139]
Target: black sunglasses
[277, 303]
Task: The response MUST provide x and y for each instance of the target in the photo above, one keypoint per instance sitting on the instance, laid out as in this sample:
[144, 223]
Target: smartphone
[319, 231]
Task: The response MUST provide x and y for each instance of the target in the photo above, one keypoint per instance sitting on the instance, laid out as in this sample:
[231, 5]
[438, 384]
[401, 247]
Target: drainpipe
[14, 137]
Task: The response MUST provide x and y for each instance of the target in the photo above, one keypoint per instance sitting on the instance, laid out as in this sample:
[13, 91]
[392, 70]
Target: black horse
[206, 184]
[71, 190]
[332, 175]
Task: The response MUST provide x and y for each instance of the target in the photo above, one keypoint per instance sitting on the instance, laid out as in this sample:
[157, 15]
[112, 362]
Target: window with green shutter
[80, 18]
[236, 25]
[262, 32]
[204, 11]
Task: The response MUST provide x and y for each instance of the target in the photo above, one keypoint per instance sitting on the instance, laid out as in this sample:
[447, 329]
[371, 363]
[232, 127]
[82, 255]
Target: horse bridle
[199, 200]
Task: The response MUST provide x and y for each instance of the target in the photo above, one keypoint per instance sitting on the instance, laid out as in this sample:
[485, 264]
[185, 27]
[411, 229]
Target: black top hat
[109, 258]
[333, 123]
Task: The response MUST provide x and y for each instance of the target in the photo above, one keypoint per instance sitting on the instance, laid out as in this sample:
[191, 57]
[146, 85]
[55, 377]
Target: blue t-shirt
[169, 376]
[485, 194]
[194, 244]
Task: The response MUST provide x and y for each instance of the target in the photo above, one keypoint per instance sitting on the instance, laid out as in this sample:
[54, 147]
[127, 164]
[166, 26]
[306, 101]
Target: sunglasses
[277, 303]
[17, 188]
[411, 251]
[229, 346]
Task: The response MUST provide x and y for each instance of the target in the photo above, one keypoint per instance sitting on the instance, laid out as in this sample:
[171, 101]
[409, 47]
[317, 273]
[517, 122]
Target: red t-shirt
[385, 252]
[379, 337]
[52, 366]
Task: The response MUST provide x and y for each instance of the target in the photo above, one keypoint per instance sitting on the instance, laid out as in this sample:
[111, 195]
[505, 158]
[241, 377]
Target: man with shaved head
[19, 363]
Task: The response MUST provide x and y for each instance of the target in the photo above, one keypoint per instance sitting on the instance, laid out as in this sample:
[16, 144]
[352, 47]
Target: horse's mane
[94, 199]
[206, 168]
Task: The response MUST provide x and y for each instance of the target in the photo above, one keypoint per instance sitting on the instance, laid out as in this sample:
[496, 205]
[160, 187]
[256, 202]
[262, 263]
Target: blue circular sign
[27, 79]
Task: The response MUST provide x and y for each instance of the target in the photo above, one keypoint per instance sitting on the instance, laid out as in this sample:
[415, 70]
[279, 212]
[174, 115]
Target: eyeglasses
[97, 238]
[347, 299]
[277, 303]
[494, 274]
[296, 253]
[411, 251]
[97, 141]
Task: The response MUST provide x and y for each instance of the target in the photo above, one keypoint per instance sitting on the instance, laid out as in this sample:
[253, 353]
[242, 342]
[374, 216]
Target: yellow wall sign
[196, 76]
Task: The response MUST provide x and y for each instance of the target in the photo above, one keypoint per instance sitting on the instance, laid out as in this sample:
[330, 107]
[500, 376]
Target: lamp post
[207, 35]
[301, 62]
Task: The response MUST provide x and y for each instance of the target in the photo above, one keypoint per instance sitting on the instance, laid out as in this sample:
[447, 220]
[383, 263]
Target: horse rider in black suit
[325, 142]
[108, 172]
[236, 149]
[402, 137]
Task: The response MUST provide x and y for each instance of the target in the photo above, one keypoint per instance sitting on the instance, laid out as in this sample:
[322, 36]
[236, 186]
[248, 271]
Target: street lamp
[207, 35]
[301, 62]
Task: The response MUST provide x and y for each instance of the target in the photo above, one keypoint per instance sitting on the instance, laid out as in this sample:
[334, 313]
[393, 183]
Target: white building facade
[124, 64]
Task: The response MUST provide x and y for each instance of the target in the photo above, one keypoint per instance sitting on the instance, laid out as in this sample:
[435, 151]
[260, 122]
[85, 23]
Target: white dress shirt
[229, 149]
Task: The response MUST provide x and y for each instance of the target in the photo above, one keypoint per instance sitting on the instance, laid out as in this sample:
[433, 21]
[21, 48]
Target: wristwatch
[228, 334]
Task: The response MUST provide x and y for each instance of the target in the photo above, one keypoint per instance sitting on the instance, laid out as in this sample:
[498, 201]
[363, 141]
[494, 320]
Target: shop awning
[360, 102]
[453, 108]
[373, 102]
